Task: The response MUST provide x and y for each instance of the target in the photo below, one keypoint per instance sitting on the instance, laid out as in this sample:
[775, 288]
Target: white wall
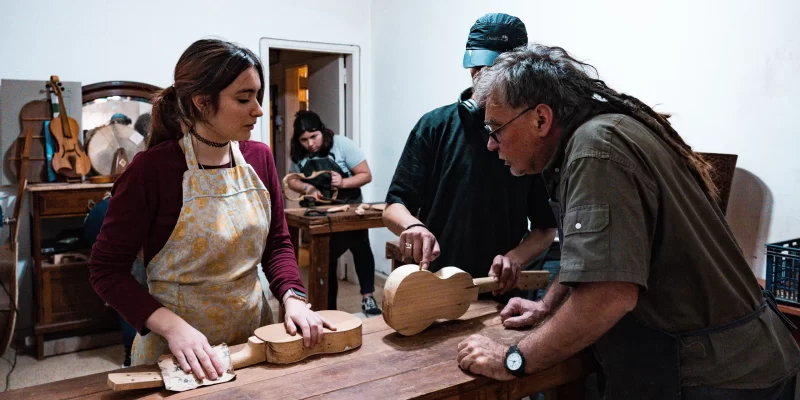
[96, 40]
[727, 70]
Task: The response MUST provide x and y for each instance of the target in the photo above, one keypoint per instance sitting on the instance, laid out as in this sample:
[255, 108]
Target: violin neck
[60, 108]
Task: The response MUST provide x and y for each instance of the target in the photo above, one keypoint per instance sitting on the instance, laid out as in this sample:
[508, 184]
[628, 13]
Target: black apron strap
[770, 300]
[730, 325]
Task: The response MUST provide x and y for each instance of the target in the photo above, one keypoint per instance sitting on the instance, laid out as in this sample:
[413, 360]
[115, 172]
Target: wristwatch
[292, 292]
[515, 362]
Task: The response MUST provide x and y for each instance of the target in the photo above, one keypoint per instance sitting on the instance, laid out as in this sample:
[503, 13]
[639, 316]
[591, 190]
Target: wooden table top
[44, 187]
[386, 366]
[341, 221]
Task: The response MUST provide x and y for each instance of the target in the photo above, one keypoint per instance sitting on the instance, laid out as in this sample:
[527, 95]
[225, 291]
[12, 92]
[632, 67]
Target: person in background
[120, 118]
[315, 148]
[142, 124]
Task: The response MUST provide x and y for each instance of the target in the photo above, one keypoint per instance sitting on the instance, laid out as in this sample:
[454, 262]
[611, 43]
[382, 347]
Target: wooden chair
[722, 175]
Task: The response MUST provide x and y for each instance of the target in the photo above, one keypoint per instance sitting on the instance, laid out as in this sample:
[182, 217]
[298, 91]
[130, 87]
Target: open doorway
[320, 77]
[302, 80]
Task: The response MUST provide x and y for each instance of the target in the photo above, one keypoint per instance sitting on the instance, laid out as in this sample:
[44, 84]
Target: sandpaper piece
[177, 380]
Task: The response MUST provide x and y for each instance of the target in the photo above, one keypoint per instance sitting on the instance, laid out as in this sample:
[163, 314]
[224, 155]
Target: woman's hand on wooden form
[336, 180]
[310, 324]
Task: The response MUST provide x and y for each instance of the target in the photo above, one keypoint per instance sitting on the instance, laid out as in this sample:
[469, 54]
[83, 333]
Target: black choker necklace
[206, 141]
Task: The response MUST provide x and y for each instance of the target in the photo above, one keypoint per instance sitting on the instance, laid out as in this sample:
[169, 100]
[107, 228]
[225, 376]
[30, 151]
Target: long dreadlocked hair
[537, 74]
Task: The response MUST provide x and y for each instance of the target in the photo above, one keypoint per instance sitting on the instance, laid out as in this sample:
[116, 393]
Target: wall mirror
[115, 120]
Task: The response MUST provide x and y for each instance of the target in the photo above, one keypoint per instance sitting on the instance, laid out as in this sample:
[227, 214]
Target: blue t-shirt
[344, 152]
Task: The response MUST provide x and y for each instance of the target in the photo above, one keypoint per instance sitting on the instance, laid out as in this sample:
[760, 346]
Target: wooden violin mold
[270, 343]
[287, 190]
[413, 299]
[282, 348]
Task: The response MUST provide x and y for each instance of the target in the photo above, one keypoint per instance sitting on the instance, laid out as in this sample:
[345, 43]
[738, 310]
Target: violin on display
[69, 160]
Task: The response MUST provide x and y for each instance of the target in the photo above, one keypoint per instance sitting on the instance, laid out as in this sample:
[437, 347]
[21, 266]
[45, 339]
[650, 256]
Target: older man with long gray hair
[651, 276]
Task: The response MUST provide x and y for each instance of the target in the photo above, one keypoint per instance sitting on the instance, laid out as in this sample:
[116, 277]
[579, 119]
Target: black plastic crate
[783, 271]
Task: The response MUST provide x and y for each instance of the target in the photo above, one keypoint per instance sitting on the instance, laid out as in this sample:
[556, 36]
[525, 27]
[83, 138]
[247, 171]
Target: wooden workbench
[319, 230]
[386, 366]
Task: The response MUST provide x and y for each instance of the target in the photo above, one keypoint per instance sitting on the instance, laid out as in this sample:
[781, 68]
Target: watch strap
[518, 372]
[292, 292]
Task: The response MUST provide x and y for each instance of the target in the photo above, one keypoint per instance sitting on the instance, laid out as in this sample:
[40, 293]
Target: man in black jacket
[453, 202]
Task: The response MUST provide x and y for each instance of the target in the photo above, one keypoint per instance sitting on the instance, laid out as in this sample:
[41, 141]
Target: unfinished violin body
[413, 299]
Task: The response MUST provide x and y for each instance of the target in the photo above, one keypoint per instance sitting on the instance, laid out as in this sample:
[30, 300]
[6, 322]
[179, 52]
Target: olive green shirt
[633, 212]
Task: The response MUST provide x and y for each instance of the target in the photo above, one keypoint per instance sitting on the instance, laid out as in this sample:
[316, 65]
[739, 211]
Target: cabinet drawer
[68, 202]
[67, 294]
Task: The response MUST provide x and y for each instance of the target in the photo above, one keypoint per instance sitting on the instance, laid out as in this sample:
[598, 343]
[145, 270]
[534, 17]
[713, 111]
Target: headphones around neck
[470, 114]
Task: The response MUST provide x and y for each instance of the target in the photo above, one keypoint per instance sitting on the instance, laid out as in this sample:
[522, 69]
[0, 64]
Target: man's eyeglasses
[493, 133]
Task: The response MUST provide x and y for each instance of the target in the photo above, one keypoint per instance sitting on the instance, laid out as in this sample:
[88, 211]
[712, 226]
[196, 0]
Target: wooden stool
[395, 253]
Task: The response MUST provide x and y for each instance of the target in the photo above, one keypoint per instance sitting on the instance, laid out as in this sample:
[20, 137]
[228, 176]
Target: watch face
[514, 361]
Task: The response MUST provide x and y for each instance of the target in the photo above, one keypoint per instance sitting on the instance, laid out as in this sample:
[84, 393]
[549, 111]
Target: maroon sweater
[142, 213]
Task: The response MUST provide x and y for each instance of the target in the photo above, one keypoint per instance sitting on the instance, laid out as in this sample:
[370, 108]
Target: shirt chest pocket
[586, 238]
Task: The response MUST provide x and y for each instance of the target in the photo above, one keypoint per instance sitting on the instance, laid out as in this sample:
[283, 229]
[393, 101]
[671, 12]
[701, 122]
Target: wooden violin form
[270, 343]
[70, 160]
[413, 299]
[315, 176]
[29, 149]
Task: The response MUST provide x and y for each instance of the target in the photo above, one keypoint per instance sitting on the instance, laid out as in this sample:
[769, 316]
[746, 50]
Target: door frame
[352, 93]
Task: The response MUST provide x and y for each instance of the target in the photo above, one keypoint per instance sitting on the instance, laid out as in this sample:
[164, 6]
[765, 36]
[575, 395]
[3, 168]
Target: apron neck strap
[188, 152]
[238, 158]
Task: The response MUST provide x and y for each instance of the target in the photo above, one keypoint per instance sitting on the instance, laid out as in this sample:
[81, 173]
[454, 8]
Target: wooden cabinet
[65, 300]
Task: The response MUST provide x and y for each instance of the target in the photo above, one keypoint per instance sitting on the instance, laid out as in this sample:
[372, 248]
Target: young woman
[205, 205]
[315, 148]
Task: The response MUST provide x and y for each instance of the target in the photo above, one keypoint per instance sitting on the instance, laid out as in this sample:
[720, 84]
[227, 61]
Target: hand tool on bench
[413, 299]
[269, 343]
